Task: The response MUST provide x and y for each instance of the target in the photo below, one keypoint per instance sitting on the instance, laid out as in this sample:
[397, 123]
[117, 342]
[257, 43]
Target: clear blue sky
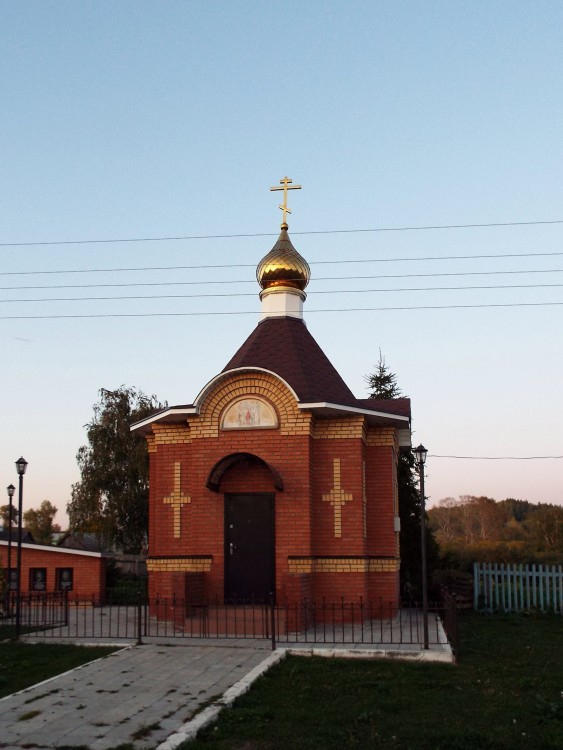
[167, 119]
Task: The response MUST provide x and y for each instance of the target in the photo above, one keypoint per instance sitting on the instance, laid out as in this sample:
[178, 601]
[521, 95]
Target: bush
[124, 588]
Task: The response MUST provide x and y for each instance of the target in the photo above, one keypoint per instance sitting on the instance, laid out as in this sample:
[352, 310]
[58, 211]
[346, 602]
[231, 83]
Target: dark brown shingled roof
[285, 346]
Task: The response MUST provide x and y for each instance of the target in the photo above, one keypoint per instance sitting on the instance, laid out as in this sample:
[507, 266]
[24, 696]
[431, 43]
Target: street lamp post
[21, 466]
[11, 489]
[420, 454]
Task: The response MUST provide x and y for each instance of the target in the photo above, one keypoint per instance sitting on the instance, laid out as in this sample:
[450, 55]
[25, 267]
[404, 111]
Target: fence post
[455, 629]
[139, 620]
[273, 619]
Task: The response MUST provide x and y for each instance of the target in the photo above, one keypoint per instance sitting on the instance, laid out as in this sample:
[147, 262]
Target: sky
[139, 141]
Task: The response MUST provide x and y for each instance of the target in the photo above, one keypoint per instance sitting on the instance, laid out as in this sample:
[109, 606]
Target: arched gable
[248, 383]
[226, 374]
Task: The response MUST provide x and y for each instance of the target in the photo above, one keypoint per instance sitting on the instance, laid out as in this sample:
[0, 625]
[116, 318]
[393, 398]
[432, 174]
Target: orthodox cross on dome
[176, 499]
[286, 184]
[337, 497]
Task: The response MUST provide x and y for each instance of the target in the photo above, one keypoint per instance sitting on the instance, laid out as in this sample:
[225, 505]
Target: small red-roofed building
[276, 480]
[46, 569]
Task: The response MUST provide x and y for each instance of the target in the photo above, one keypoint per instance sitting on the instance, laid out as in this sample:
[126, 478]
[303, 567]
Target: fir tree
[383, 384]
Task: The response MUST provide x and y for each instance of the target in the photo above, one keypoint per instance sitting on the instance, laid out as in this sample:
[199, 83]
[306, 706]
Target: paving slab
[161, 693]
[139, 695]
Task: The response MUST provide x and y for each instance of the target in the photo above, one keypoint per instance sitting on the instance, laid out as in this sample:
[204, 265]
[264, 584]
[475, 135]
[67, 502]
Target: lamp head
[21, 466]
[420, 454]
[11, 489]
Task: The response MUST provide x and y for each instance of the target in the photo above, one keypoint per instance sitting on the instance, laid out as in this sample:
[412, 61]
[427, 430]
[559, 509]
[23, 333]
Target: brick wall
[338, 498]
[88, 569]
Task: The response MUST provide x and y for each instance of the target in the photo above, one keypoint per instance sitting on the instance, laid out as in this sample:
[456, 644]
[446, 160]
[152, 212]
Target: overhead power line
[253, 265]
[254, 312]
[252, 294]
[253, 281]
[499, 458]
[274, 234]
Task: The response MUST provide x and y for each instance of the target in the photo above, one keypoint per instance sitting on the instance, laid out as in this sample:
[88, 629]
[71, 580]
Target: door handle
[232, 548]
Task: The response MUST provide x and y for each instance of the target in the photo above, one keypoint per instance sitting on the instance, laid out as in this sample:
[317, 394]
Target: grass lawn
[505, 694]
[25, 664]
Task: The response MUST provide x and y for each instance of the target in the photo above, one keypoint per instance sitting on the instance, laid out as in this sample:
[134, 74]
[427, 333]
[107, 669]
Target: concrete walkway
[139, 695]
[147, 696]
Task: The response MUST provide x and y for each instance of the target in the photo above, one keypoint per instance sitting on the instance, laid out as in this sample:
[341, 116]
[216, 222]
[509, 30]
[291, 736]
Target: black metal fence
[37, 610]
[451, 625]
[305, 622]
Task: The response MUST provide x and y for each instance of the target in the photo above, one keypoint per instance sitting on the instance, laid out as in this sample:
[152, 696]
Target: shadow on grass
[26, 664]
[505, 694]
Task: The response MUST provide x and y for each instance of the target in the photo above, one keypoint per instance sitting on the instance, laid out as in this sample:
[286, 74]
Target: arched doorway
[249, 525]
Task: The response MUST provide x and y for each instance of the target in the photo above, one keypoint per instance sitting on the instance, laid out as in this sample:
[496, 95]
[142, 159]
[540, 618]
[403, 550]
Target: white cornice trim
[353, 410]
[164, 414]
[52, 548]
[169, 414]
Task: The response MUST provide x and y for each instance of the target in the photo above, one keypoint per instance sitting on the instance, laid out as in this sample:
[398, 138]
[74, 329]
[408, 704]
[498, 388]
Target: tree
[111, 498]
[5, 515]
[468, 518]
[40, 522]
[480, 529]
[383, 384]
[546, 527]
[444, 519]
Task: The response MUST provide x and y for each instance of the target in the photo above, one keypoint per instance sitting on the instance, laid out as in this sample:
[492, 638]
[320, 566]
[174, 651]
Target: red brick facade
[335, 518]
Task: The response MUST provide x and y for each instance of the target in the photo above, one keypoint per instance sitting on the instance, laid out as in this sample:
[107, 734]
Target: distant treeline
[480, 529]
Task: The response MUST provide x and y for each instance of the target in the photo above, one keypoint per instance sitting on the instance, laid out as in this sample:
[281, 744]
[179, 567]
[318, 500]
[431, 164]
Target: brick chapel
[276, 479]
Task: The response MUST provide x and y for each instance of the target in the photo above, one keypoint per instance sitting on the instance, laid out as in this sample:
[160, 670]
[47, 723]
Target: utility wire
[275, 234]
[499, 458]
[253, 265]
[320, 291]
[254, 312]
[253, 281]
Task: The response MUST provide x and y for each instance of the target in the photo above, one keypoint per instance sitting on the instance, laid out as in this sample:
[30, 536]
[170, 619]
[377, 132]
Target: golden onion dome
[283, 266]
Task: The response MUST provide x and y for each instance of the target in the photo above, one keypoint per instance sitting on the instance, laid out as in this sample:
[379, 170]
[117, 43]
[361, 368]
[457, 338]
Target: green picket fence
[514, 588]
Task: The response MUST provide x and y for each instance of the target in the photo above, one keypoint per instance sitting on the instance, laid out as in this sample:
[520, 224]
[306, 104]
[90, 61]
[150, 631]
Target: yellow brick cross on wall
[337, 497]
[176, 499]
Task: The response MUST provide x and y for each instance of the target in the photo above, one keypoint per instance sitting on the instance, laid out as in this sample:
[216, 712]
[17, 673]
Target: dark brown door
[249, 547]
